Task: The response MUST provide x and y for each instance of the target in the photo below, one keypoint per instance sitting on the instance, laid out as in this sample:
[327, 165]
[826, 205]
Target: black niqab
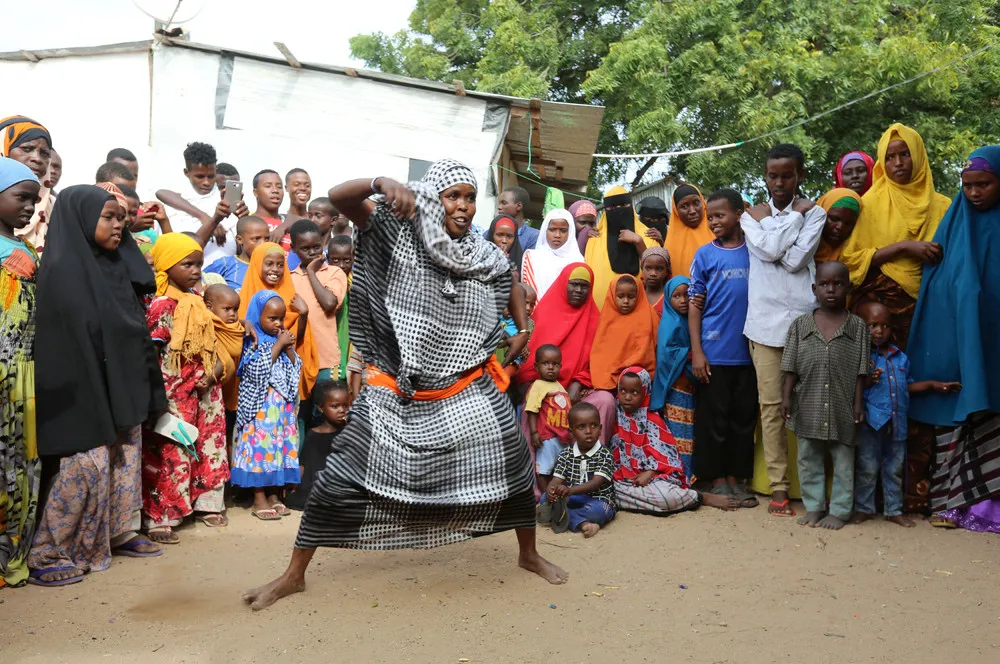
[624, 257]
[653, 212]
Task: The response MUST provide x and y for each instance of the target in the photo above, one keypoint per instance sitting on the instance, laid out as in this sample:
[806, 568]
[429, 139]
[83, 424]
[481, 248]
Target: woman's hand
[643, 478]
[249, 331]
[655, 235]
[515, 345]
[925, 252]
[629, 237]
[299, 305]
[400, 200]
[574, 390]
[699, 365]
[592, 232]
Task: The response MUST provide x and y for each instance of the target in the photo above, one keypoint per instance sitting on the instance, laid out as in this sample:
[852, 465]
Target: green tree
[696, 73]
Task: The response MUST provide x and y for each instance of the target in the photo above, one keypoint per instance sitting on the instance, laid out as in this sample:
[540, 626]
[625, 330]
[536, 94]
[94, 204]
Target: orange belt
[378, 378]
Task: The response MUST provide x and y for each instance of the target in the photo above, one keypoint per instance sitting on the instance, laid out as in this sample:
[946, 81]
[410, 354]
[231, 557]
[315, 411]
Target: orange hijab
[682, 242]
[623, 340]
[253, 282]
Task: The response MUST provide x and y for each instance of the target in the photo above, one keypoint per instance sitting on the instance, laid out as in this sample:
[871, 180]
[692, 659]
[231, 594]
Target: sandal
[268, 514]
[560, 516]
[280, 509]
[782, 508]
[163, 535]
[745, 498]
[35, 578]
[214, 520]
[941, 522]
[130, 548]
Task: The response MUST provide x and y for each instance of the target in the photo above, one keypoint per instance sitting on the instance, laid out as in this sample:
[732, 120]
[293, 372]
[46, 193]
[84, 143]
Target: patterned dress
[20, 469]
[174, 484]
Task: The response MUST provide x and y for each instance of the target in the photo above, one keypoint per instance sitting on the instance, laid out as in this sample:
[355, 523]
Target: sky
[314, 30]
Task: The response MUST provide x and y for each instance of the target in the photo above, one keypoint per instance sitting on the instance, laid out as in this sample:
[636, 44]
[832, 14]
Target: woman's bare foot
[719, 501]
[861, 517]
[901, 520]
[589, 529]
[811, 519]
[552, 573]
[830, 522]
[264, 596]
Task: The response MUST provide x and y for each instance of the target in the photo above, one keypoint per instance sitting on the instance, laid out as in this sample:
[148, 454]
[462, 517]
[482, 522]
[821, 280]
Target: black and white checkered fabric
[409, 474]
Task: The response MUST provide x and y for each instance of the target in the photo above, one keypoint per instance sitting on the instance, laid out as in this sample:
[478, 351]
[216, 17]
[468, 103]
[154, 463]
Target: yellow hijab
[682, 242]
[192, 336]
[892, 212]
[596, 255]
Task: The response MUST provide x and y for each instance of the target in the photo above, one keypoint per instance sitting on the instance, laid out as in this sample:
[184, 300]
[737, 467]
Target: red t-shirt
[551, 401]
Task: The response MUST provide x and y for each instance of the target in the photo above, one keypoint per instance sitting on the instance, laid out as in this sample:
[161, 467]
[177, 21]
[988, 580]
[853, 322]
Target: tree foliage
[677, 74]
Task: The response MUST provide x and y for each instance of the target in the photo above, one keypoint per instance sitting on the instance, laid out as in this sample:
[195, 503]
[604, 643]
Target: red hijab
[857, 155]
[570, 328]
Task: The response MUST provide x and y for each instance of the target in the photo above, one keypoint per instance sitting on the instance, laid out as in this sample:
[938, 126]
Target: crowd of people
[370, 358]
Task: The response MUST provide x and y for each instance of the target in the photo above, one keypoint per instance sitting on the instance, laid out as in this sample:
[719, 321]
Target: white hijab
[543, 264]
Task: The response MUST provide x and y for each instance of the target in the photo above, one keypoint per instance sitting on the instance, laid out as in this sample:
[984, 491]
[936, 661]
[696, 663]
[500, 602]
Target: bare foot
[589, 529]
[901, 520]
[861, 517]
[264, 596]
[811, 519]
[719, 501]
[830, 522]
[543, 568]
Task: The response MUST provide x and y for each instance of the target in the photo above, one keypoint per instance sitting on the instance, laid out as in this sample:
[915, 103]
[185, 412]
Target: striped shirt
[575, 468]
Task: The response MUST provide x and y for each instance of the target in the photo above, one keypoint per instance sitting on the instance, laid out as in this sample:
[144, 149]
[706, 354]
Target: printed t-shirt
[551, 401]
[722, 274]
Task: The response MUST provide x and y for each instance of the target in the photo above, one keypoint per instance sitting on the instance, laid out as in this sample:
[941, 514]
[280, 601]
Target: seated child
[825, 364]
[250, 233]
[673, 389]
[333, 401]
[174, 482]
[547, 405]
[648, 473]
[882, 437]
[224, 304]
[581, 493]
[265, 454]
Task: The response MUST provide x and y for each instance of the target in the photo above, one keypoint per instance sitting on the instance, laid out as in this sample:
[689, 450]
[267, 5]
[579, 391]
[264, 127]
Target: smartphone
[234, 192]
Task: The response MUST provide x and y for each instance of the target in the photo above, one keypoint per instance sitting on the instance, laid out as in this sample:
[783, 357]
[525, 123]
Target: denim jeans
[812, 476]
[584, 508]
[877, 451]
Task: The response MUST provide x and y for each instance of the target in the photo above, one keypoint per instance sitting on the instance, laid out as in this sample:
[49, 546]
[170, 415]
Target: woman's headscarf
[606, 255]
[683, 241]
[643, 442]
[653, 207]
[623, 340]
[14, 172]
[96, 370]
[18, 129]
[193, 335]
[543, 264]
[570, 328]
[516, 253]
[577, 209]
[836, 198]
[857, 155]
[253, 283]
[894, 212]
[673, 345]
[953, 336]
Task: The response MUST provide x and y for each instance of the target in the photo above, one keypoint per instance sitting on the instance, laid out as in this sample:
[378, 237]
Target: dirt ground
[706, 586]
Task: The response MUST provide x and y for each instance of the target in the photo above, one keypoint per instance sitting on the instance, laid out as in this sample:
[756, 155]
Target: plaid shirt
[827, 371]
[575, 468]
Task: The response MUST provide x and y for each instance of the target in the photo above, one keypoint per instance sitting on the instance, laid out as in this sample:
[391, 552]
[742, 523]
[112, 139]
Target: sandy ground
[707, 587]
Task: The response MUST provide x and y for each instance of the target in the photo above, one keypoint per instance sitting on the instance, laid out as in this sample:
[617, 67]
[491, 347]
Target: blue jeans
[812, 476]
[584, 508]
[877, 451]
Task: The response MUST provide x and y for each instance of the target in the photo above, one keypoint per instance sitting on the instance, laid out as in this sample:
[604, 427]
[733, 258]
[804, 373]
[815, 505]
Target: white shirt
[782, 270]
[182, 222]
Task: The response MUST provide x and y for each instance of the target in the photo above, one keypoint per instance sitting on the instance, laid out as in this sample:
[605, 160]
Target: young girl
[175, 483]
[673, 389]
[655, 264]
[543, 264]
[626, 333]
[333, 400]
[265, 457]
[20, 468]
[503, 233]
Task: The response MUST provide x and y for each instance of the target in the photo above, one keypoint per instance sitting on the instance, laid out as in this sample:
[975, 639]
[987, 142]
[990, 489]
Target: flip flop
[266, 515]
[171, 536]
[280, 509]
[214, 520]
[941, 522]
[129, 548]
[560, 516]
[35, 578]
[782, 508]
[746, 499]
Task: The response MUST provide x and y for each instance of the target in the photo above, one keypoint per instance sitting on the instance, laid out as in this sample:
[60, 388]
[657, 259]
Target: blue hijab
[953, 336]
[673, 343]
[264, 340]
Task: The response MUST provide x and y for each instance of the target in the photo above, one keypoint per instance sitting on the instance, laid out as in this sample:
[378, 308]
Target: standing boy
[726, 414]
[825, 363]
[250, 233]
[882, 437]
[511, 203]
[782, 236]
[268, 191]
[191, 210]
[340, 253]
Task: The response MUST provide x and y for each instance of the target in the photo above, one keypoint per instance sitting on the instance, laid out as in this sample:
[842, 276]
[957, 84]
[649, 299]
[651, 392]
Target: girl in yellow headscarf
[892, 241]
[688, 229]
[175, 482]
[621, 241]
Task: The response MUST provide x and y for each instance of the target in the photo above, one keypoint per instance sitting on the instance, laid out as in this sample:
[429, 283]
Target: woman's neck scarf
[253, 283]
[515, 254]
[18, 129]
[192, 337]
[682, 242]
[570, 328]
[673, 345]
[96, 370]
[838, 171]
[953, 336]
[642, 440]
[605, 254]
[894, 212]
[543, 264]
[836, 198]
[623, 340]
[653, 207]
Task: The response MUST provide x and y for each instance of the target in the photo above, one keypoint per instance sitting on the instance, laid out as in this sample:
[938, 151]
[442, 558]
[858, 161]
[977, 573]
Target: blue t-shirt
[232, 269]
[723, 275]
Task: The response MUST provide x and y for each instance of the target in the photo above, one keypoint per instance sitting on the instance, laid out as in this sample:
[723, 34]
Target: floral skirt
[20, 469]
[266, 452]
